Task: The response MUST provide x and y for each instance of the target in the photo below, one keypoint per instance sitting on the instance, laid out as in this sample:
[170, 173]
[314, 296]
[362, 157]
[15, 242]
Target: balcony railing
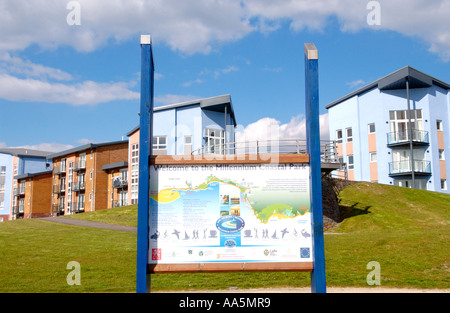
[405, 168]
[57, 209]
[78, 186]
[328, 148]
[120, 183]
[18, 209]
[58, 170]
[77, 207]
[81, 165]
[120, 203]
[402, 138]
[59, 188]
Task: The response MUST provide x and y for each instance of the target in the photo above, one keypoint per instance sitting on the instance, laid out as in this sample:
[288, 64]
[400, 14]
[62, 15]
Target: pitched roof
[397, 80]
[25, 152]
[85, 147]
[217, 103]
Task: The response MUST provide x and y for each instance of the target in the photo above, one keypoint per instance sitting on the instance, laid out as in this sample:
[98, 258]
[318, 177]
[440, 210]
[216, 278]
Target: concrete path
[82, 223]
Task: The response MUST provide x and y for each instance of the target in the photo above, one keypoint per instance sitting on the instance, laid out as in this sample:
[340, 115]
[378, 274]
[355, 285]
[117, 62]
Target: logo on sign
[230, 224]
[156, 254]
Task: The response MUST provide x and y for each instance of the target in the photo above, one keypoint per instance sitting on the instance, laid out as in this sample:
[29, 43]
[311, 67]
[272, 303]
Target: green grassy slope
[406, 231]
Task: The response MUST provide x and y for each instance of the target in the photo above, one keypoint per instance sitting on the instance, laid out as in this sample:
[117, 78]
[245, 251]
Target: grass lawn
[406, 231]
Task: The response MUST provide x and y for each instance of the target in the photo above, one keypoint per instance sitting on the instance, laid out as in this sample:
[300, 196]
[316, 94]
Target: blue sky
[65, 85]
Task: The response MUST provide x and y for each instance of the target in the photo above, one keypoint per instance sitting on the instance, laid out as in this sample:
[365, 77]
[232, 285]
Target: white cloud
[355, 83]
[49, 147]
[84, 93]
[84, 141]
[171, 99]
[199, 26]
[271, 129]
[191, 82]
[15, 65]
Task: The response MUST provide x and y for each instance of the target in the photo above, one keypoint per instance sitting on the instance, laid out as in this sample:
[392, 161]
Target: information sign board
[249, 216]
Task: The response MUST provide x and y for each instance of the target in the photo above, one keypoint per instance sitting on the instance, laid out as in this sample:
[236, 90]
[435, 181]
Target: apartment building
[79, 183]
[13, 162]
[33, 195]
[395, 131]
[204, 126]
[117, 184]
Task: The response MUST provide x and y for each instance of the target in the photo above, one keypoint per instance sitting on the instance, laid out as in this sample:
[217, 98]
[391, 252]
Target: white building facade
[382, 137]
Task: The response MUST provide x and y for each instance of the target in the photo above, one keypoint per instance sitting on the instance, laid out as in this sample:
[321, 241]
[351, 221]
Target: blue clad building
[203, 126]
[13, 162]
[395, 131]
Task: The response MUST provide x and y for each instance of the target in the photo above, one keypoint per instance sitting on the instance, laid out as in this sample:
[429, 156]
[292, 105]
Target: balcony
[59, 188]
[78, 186]
[58, 170]
[419, 137]
[19, 192]
[403, 168]
[18, 209]
[57, 209]
[81, 165]
[120, 183]
[77, 207]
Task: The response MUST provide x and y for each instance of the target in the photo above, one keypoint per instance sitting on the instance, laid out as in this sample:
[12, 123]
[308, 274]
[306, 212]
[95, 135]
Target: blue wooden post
[145, 150]
[318, 282]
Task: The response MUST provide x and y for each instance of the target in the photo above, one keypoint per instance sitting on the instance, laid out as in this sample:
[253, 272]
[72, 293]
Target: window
[399, 125]
[350, 162]
[215, 140]
[373, 156]
[439, 125]
[443, 184]
[441, 155]
[82, 161]
[81, 201]
[134, 173]
[188, 144]
[339, 136]
[371, 128]
[349, 134]
[63, 165]
[2, 170]
[160, 143]
[124, 175]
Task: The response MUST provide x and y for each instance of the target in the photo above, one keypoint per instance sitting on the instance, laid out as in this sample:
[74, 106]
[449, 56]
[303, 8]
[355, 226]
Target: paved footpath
[82, 223]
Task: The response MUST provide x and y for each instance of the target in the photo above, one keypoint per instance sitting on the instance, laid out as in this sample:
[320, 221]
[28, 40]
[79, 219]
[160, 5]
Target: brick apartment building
[33, 195]
[13, 162]
[79, 183]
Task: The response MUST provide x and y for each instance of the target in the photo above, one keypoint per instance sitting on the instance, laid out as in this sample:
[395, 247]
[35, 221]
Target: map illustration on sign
[230, 213]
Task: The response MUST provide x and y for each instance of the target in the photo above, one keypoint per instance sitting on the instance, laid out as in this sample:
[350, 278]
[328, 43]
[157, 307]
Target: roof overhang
[397, 80]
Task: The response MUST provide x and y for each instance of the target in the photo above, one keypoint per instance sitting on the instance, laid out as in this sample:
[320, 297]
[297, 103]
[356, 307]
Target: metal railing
[17, 209]
[80, 165]
[405, 167]
[328, 148]
[78, 186]
[120, 183]
[418, 136]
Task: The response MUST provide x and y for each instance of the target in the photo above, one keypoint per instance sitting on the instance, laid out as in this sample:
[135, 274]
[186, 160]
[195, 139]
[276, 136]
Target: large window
[399, 123]
[215, 140]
